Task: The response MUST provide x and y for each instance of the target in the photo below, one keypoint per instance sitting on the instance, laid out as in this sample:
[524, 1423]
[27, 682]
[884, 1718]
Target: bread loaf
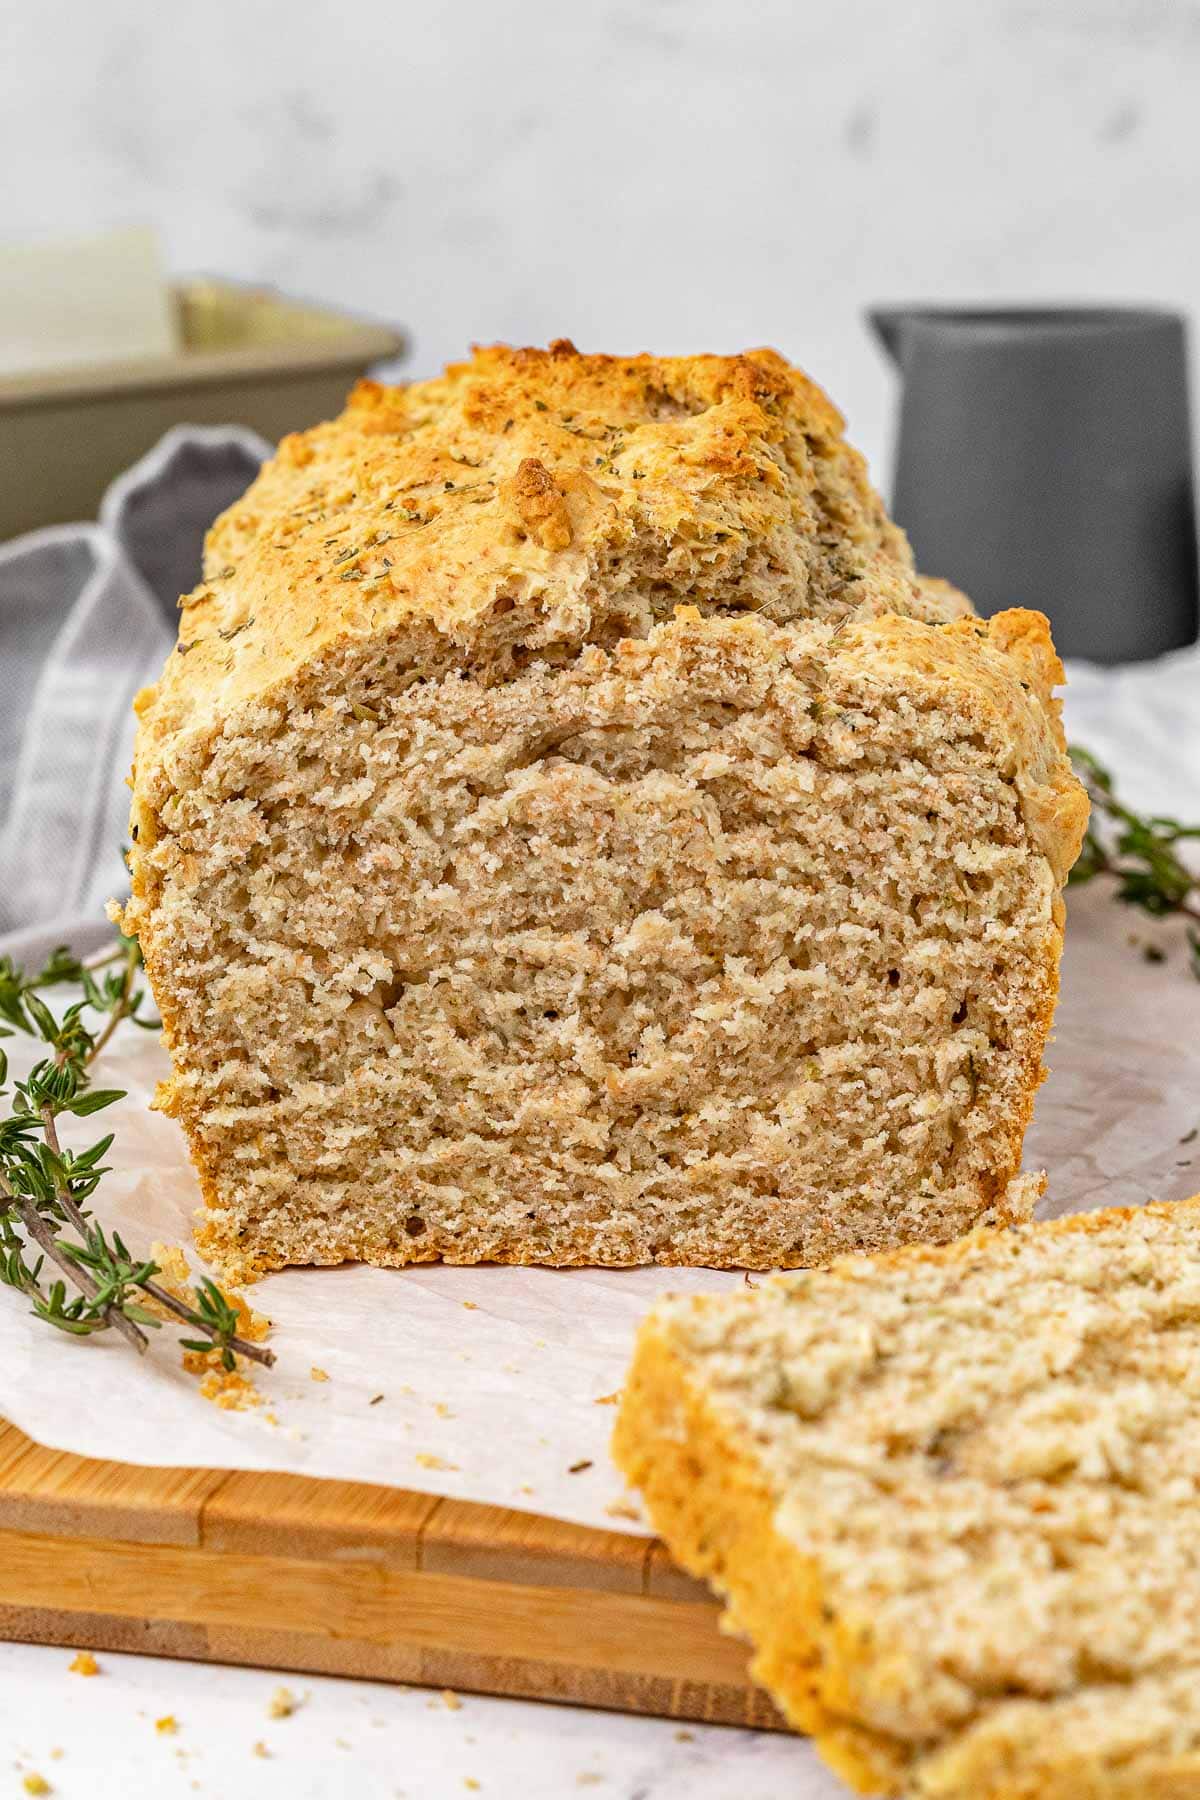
[953, 1497]
[568, 831]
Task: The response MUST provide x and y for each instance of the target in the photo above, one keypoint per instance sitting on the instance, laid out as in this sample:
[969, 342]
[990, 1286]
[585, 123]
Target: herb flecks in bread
[951, 1497]
[575, 835]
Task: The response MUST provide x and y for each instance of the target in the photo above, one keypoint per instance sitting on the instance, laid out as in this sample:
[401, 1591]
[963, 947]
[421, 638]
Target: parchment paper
[492, 1379]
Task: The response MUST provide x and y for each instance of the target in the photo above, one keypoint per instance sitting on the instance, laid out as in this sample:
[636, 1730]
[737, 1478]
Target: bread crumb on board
[83, 1663]
[36, 1784]
[612, 1399]
[450, 1700]
[624, 1509]
[168, 1725]
[282, 1704]
[316, 1374]
[429, 1461]
[259, 1748]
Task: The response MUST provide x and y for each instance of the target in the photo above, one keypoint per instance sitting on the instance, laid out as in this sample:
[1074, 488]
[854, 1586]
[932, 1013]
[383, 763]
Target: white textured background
[660, 174]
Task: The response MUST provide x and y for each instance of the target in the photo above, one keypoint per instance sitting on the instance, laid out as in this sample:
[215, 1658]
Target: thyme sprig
[1139, 854]
[45, 1189]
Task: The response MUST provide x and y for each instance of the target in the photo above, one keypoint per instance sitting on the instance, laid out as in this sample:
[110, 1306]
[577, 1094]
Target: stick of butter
[99, 299]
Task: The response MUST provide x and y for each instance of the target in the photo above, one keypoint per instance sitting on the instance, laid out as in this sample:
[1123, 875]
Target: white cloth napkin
[88, 613]
[87, 616]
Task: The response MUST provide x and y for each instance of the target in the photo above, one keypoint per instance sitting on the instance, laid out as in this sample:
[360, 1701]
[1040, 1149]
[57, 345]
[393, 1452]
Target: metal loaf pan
[248, 357]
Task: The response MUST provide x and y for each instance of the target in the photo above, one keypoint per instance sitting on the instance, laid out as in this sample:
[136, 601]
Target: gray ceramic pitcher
[1044, 459]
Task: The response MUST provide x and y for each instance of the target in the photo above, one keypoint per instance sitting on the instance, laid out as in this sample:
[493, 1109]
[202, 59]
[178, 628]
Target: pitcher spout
[889, 324]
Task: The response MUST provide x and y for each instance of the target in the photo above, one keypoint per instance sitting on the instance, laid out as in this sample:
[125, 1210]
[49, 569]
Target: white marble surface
[638, 174]
[357, 1738]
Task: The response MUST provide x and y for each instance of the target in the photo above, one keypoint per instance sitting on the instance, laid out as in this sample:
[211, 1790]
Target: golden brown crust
[541, 506]
[521, 477]
[709, 1500]
[701, 1473]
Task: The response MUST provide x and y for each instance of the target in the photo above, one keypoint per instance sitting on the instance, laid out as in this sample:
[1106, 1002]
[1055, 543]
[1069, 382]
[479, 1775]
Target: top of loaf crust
[527, 502]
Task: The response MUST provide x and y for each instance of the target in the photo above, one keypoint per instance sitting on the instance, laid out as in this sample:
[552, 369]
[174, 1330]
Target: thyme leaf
[46, 1189]
[1138, 854]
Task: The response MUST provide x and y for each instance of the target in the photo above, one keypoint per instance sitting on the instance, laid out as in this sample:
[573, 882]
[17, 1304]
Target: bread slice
[953, 1497]
[568, 831]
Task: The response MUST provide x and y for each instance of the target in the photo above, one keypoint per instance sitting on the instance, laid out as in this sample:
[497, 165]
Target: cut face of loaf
[500, 906]
[953, 1498]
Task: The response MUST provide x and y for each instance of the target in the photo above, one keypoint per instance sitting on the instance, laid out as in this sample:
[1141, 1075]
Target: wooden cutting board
[344, 1578]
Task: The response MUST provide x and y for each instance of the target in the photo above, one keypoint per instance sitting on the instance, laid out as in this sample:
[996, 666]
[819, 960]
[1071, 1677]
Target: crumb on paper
[232, 1392]
[624, 1509]
[471, 1305]
[526, 1489]
[36, 1784]
[577, 1468]
[168, 1725]
[227, 1388]
[259, 1748]
[282, 1704]
[450, 1700]
[442, 1410]
[83, 1663]
[428, 1461]
[469, 1781]
[375, 1399]
[173, 1271]
[683, 1736]
[315, 1374]
[608, 1399]
[175, 1275]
